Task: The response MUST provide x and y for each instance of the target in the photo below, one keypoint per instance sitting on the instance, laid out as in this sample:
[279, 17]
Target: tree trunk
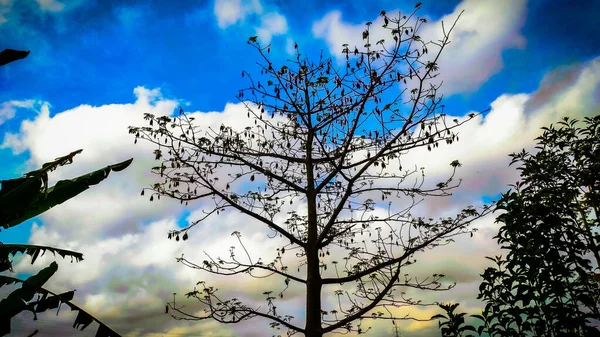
[313, 276]
[313, 294]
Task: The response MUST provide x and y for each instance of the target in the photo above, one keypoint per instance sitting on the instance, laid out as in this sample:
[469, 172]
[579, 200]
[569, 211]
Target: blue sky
[96, 66]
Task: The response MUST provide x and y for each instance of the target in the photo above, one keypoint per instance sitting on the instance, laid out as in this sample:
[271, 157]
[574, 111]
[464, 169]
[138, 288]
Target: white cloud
[229, 12]
[97, 128]
[12, 140]
[511, 125]
[289, 46]
[7, 109]
[475, 51]
[271, 24]
[335, 32]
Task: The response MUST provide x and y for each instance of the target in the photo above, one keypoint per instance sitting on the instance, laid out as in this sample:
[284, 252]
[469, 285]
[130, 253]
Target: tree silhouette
[546, 285]
[332, 139]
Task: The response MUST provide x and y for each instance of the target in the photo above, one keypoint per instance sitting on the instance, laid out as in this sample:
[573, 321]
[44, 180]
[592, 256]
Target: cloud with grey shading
[475, 51]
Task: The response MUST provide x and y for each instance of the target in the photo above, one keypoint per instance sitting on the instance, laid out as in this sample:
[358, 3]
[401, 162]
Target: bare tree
[332, 137]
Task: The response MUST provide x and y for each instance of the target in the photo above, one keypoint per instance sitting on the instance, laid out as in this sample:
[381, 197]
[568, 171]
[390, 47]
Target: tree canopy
[320, 164]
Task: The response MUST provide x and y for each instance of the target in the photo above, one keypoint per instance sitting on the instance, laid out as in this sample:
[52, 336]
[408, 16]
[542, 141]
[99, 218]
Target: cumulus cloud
[8, 109]
[271, 24]
[512, 124]
[475, 51]
[113, 207]
[335, 32]
[229, 12]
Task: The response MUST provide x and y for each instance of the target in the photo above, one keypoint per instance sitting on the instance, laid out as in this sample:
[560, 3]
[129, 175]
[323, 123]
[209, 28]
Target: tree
[332, 139]
[546, 285]
[27, 197]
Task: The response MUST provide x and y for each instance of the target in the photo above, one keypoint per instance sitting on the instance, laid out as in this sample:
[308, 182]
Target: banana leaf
[6, 250]
[23, 198]
[21, 300]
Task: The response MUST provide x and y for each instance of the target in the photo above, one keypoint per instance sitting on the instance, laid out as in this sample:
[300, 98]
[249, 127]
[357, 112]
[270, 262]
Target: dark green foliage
[546, 285]
[23, 198]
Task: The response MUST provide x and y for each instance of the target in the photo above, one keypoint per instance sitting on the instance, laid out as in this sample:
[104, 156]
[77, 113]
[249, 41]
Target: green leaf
[83, 319]
[439, 316]
[480, 317]
[16, 301]
[6, 250]
[19, 301]
[29, 205]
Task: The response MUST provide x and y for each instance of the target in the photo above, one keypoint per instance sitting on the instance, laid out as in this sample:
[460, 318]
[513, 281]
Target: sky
[97, 66]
